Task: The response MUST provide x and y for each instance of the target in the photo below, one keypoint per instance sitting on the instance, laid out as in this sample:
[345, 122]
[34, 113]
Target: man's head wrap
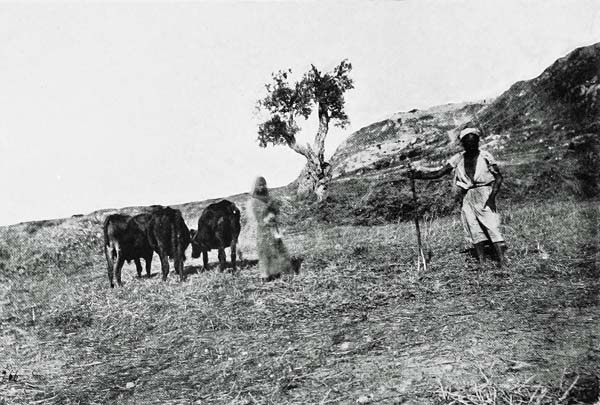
[468, 131]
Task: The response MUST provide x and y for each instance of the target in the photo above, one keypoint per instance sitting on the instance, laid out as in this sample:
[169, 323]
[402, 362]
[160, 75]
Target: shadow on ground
[244, 264]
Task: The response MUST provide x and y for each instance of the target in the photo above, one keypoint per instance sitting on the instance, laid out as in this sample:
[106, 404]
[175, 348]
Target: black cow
[169, 236]
[125, 240]
[218, 228]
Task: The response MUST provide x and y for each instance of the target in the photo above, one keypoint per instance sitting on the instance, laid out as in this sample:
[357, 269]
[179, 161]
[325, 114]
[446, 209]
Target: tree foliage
[285, 102]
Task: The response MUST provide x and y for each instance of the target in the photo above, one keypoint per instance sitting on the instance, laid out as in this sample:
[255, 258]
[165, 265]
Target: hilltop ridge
[561, 103]
[397, 138]
[566, 95]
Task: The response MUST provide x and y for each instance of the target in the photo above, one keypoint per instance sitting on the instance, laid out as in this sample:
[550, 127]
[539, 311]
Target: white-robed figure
[477, 176]
[263, 210]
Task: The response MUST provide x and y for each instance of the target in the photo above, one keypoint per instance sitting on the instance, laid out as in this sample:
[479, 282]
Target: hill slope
[566, 96]
[563, 100]
[543, 132]
[361, 323]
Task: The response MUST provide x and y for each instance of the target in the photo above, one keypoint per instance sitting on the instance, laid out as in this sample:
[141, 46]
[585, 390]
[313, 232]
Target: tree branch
[302, 150]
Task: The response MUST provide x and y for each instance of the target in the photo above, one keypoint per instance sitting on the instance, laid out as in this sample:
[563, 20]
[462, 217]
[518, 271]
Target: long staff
[416, 216]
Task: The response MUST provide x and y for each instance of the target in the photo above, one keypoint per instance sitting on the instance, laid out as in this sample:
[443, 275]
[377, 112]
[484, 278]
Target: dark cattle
[125, 240]
[218, 228]
[169, 236]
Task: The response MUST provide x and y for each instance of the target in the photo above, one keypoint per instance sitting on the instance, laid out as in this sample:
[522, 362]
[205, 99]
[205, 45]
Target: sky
[115, 104]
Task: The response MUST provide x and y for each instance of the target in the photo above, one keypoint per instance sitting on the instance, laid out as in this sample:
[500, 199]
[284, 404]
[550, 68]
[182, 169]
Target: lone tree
[285, 103]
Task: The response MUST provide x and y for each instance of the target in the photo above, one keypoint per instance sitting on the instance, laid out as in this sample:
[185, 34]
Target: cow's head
[197, 245]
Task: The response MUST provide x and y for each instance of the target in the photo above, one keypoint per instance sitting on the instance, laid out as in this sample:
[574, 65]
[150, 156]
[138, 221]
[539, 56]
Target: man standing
[477, 176]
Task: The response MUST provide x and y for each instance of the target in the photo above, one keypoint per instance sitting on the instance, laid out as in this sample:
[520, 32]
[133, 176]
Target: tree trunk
[307, 181]
[314, 179]
[316, 174]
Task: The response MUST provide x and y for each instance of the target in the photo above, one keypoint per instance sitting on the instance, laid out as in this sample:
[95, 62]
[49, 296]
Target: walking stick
[416, 215]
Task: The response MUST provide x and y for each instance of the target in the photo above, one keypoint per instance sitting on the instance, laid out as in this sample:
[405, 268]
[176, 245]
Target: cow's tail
[236, 212]
[174, 239]
[150, 237]
[107, 243]
[105, 230]
[178, 245]
[236, 221]
[235, 230]
[107, 254]
[177, 238]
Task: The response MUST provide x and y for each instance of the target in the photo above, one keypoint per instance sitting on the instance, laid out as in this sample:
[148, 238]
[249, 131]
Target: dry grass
[573, 388]
[358, 324]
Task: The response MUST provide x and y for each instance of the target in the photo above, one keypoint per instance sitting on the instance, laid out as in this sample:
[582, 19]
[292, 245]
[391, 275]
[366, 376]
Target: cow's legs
[179, 258]
[119, 266]
[232, 252]
[178, 262]
[108, 251]
[221, 259]
[164, 264]
[138, 267]
[205, 259]
[148, 260]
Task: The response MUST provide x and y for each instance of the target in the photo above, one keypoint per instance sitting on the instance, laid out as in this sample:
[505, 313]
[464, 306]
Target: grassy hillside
[359, 323]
